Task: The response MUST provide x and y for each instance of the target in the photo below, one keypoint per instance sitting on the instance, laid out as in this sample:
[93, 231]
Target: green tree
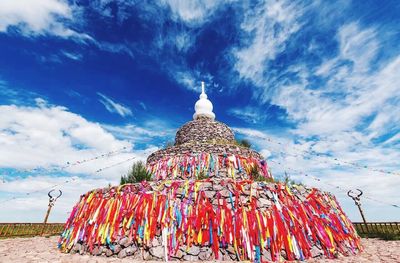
[256, 175]
[244, 143]
[137, 174]
[289, 181]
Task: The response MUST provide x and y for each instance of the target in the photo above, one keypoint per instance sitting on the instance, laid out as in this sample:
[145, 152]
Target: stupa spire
[203, 106]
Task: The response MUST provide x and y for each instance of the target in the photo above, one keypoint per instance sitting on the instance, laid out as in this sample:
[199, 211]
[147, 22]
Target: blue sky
[305, 81]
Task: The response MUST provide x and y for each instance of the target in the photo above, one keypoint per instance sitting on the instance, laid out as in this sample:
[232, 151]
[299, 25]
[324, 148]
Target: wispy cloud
[266, 29]
[285, 155]
[30, 135]
[344, 108]
[114, 107]
[39, 18]
[249, 114]
[145, 133]
[193, 13]
[71, 55]
[50, 136]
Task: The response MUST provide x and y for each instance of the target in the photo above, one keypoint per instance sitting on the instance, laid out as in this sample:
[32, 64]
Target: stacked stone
[228, 216]
[246, 195]
[204, 130]
[203, 135]
[206, 136]
[193, 149]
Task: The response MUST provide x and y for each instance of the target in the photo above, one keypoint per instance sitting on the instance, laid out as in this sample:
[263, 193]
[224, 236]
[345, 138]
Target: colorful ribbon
[184, 216]
[211, 165]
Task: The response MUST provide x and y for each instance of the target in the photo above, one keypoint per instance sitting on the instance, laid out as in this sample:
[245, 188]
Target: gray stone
[76, 247]
[207, 185]
[81, 249]
[130, 250]
[155, 243]
[223, 255]
[263, 202]
[230, 249]
[125, 242]
[147, 255]
[209, 194]
[316, 252]
[97, 251]
[224, 193]
[284, 254]
[205, 255]
[189, 258]
[218, 187]
[117, 249]
[109, 253]
[179, 254]
[269, 194]
[244, 199]
[233, 256]
[122, 253]
[194, 250]
[157, 252]
[266, 256]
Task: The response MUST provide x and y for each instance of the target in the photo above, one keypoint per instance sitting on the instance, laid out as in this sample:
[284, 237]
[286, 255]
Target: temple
[209, 198]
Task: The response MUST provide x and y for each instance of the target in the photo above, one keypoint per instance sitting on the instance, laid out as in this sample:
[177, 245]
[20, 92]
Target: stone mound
[209, 219]
[204, 130]
[209, 199]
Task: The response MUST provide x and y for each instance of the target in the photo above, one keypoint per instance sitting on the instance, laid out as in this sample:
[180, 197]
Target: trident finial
[202, 87]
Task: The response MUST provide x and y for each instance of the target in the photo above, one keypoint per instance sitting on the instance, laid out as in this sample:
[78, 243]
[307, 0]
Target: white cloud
[33, 207]
[269, 25]
[30, 136]
[248, 113]
[193, 13]
[113, 106]
[143, 105]
[73, 56]
[284, 155]
[145, 133]
[49, 137]
[191, 79]
[38, 17]
[358, 45]
[351, 94]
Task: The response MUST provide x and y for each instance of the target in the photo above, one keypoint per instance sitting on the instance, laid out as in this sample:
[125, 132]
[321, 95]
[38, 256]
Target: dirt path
[40, 249]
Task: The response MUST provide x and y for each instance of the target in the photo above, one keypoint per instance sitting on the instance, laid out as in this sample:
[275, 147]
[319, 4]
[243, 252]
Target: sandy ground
[41, 249]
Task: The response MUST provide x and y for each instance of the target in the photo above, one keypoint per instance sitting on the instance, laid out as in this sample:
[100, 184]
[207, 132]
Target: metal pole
[362, 213]
[47, 213]
[52, 201]
[357, 201]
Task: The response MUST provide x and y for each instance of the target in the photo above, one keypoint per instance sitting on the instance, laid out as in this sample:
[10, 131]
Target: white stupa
[203, 106]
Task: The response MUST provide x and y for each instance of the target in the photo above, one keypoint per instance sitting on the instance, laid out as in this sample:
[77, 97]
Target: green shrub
[137, 174]
[256, 175]
[244, 143]
[289, 181]
[202, 175]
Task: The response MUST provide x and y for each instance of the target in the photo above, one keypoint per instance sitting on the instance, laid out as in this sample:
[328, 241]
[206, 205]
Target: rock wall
[207, 220]
[204, 129]
[192, 149]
